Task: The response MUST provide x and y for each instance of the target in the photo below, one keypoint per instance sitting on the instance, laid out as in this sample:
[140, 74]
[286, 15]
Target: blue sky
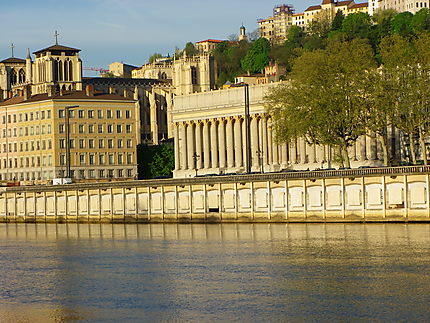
[126, 30]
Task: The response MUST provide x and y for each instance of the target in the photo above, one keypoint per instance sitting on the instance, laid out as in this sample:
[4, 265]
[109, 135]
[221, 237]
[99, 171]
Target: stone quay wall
[398, 194]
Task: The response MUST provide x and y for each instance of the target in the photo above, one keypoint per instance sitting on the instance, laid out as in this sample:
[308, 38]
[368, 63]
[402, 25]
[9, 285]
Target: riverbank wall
[398, 194]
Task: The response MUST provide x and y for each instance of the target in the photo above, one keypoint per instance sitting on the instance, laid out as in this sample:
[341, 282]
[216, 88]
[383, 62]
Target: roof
[359, 5]
[113, 81]
[74, 95]
[343, 3]
[312, 8]
[57, 48]
[13, 60]
[298, 14]
[211, 41]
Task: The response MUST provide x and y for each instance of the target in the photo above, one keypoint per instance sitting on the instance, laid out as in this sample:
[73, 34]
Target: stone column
[230, 143]
[206, 145]
[190, 145]
[255, 162]
[214, 145]
[311, 149]
[222, 148]
[176, 141]
[320, 154]
[183, 146]
[238, 145]
[264, 141]
[244, 147]
[153, 117]
[284, 155]
[293, 151]
[269, 143]
[303, 153]
[199, 145]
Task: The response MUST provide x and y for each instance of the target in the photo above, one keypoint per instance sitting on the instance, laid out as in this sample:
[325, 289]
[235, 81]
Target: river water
[215, 273]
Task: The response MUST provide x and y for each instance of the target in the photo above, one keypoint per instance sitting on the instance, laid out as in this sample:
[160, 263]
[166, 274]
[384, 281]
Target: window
[81, 128]
[91, 173]
[100, 128]
[37, 130]
[72, 143]
[61, 113]
[118, 114]
[81, 159]
[20, 132]
[100, 114]
[80, 114]
[120, 173]
[129, 159]
[91, 143]
[43, 130]
[62, 128]
[101, 173]
[49, 144]
[62, 143]
[90, 114]
[127, 114]
[110, 128]
[91, 128]
[110, 173]
[101, 159]
[81, 173]
[50, 160]
[81, 143]
[110, 143]
[42, 115]
[109, 114]
[91, 159]
[43, 144]
[101, 143]
[120, 159]
[31, 116]
[129, 143]
[48, 114]
[31, 131]
[128, 128]
[37, 115]
[49, 129]
[62, 159]
[111, 159]
[120, 143]
[129, 173]
[119, 128]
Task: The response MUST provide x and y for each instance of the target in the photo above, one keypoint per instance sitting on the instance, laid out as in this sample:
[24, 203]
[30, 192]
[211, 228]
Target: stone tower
[242, 33]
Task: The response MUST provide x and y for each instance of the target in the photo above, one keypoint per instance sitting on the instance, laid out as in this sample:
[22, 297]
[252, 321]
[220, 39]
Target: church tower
[57, 68]
[242, 34]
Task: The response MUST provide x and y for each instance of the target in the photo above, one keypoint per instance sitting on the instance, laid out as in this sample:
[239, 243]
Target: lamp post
[67, 111]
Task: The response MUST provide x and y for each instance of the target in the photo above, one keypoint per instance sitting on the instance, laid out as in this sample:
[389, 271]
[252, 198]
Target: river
[215, 273]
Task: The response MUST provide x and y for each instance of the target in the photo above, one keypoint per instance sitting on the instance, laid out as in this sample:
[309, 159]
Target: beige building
[119, 69]
[211, 137]
[275, 28]
[208, 45]
[412, 6]
[103, 136]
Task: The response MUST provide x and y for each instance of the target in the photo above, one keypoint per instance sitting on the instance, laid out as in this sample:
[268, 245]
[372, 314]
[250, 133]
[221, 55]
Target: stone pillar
[238, 145]
[206, 145]
[255, 162]
[284, 155]
[363, 156]
[311, 149]
[183, 146]
[153, 117]
[302, 148]
[244, 147]
[264, 141]
[190, 145]
[293, 151]
[214, 145]
[222, 148]
[176, 141]
[230, 143]
[199, 145]
[269, 143]
[320, 154]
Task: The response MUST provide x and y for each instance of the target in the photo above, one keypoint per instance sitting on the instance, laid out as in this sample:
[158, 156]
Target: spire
[12, 46]
[56, 34]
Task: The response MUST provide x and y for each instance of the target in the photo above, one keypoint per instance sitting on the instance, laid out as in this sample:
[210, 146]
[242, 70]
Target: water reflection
[229, 272]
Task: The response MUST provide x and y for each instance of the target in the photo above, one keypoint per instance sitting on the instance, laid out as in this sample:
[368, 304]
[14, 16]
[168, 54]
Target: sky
[126, 31]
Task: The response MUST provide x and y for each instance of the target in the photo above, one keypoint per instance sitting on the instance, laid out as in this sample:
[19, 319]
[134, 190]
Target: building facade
[412, 6]
[103, 137]
[211, 138]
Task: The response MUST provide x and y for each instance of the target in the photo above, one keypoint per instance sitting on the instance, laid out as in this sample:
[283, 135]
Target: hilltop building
[412, 6]
[119, 69]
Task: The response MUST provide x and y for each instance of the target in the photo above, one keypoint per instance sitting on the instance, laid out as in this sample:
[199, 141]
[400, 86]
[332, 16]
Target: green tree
[190, 49]
[401, 24]
[325, 102]
[154, 57]
[321, 24]
[357, 25]
[163, 162]
[337, 22]
[420, 22]
[257, 57]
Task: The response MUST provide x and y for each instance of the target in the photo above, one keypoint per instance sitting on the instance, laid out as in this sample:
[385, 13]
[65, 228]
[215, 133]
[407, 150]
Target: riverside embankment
[358, 195]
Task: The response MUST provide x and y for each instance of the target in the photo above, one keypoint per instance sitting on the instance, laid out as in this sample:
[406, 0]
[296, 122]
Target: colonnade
[217, 146]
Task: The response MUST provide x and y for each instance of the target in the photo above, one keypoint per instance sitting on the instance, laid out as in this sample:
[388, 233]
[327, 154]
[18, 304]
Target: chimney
[125, 93]
[89, 90]
[27, 92]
